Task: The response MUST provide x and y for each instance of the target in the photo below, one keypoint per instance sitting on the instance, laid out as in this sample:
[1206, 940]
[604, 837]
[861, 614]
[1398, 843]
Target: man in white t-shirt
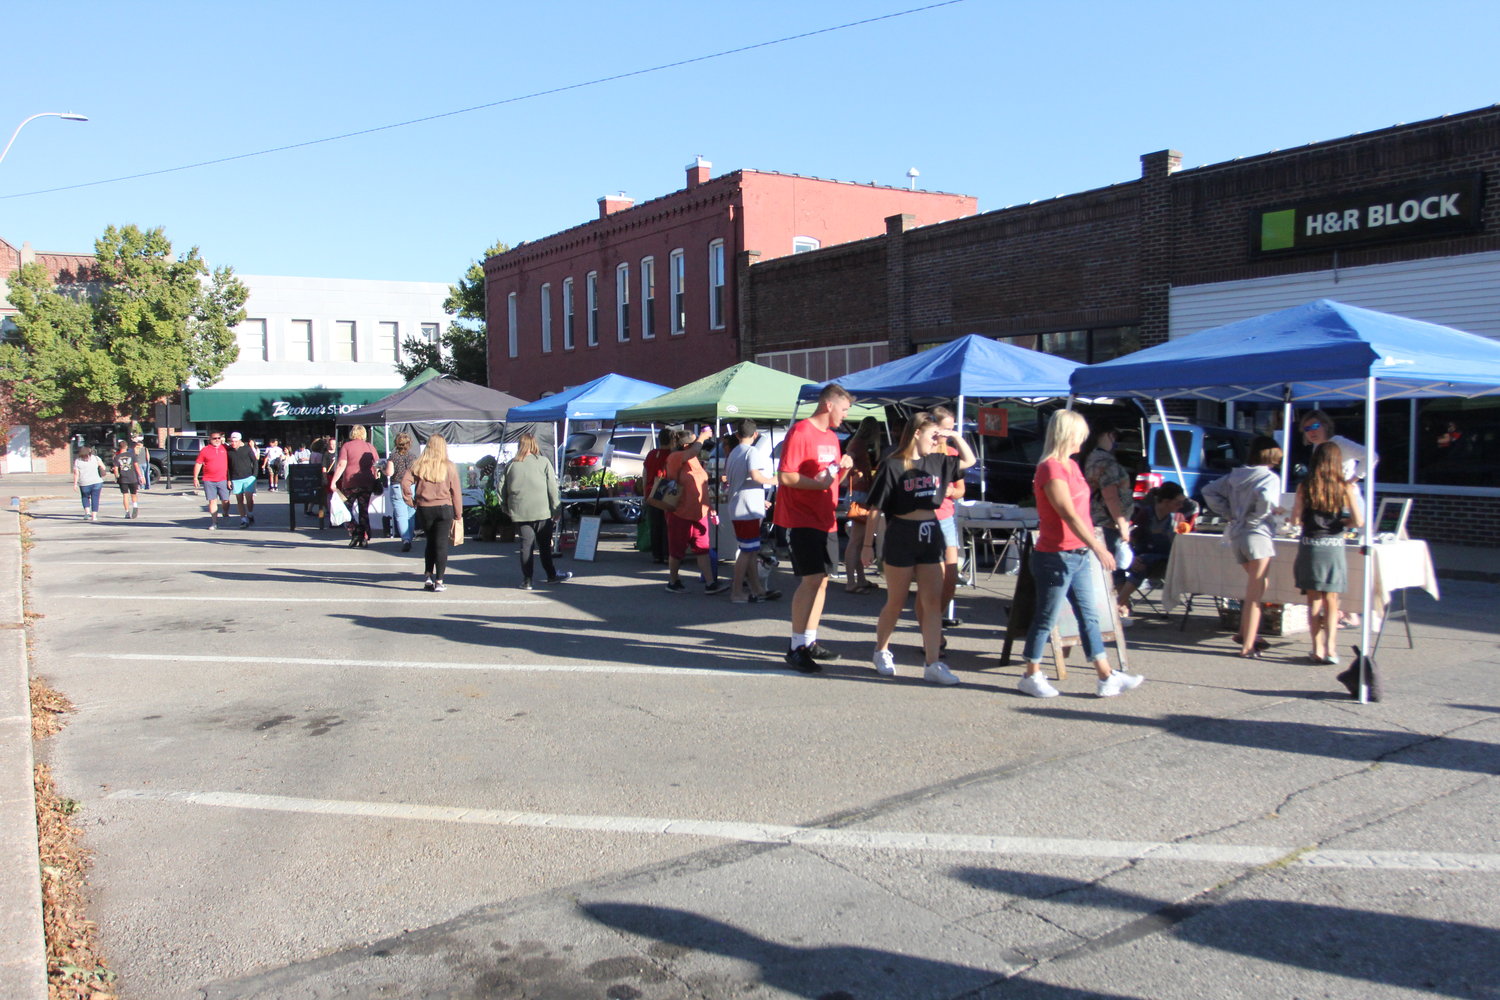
[748, 472]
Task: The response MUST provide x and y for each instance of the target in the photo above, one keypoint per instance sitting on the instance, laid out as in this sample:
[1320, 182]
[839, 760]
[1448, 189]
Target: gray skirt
[1322, 565]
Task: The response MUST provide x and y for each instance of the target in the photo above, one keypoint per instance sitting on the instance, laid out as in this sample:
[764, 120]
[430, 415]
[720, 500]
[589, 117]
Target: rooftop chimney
[697, 172]
[612, 203]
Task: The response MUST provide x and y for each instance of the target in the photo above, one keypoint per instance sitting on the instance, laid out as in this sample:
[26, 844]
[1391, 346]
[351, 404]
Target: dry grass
[75, 967]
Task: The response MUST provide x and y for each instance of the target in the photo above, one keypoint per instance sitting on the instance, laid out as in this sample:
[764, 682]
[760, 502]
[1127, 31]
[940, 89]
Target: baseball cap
[235, 436]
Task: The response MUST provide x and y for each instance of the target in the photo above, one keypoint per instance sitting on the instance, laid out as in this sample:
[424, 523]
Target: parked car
[623, 453]
[1206, 453]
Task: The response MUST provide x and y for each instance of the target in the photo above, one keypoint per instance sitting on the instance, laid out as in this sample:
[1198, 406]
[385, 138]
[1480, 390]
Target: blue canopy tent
[1321, 351]
[971, 368]
[596, 400]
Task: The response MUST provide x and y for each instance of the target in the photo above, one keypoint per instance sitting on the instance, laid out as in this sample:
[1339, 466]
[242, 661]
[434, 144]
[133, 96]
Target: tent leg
[1166, 428]
[1365, 552]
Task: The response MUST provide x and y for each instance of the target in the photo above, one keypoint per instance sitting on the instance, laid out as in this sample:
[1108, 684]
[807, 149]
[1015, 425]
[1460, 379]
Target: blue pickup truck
[1206, 453]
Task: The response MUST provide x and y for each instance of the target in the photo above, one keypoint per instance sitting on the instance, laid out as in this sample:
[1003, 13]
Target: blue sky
[1007, 101]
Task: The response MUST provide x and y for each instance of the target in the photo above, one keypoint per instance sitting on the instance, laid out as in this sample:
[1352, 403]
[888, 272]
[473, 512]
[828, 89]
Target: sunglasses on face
[1312, 427]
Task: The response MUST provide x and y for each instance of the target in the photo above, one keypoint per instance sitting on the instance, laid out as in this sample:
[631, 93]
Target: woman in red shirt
[1062, 562]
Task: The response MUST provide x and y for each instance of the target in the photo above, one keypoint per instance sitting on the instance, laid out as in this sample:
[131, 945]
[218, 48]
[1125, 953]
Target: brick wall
[1457, 520]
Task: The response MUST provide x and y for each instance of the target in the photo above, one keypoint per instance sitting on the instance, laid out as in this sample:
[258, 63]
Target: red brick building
[30, 443]
[1394, 220]
[652, 290]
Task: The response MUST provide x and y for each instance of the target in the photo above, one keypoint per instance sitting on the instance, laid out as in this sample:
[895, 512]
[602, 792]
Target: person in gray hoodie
[529, 496]
[1248, 497]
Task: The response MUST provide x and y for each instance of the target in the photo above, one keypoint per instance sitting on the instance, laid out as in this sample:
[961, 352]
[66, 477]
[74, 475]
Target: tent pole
[1166, 429]
[1365, 552]
[1286, 437]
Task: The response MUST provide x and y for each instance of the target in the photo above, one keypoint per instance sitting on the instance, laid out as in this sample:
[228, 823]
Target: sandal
[1254, 654]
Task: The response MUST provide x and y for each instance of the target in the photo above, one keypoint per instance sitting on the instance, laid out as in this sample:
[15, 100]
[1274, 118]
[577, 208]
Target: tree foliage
[142, 326]
[462, 350]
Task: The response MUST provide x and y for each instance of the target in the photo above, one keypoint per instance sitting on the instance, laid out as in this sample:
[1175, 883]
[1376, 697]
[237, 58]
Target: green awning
[278, 404]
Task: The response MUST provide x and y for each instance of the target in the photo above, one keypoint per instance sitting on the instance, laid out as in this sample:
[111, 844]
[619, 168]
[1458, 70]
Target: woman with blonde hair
[1062, 561]
[529, 496]
[905, 494]
[431, 487]
[354, 476]
[395, 470]
[1327, 504]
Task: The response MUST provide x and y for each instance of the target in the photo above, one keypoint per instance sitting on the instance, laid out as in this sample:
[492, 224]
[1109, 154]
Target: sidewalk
[23, 953]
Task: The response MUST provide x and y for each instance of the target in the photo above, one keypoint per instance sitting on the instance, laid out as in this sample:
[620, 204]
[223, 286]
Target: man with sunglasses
[212, 467]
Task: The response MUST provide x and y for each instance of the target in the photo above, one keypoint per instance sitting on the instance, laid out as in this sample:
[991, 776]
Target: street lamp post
[65, 115]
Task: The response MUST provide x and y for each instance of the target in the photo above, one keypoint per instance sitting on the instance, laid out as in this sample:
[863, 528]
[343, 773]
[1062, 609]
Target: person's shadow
[837, 972]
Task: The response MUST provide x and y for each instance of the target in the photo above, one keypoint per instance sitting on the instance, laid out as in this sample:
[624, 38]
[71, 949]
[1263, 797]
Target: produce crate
[1275, 619]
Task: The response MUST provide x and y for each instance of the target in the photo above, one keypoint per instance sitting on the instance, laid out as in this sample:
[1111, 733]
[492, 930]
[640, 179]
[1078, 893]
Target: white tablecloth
[1203, 564]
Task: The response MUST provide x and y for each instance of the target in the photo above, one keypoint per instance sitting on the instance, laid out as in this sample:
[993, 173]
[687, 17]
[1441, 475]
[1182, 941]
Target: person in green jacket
[529, 497]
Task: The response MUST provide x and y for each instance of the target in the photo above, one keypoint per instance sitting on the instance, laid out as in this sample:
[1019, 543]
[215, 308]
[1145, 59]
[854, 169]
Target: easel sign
[1390, 520]
[588, 538]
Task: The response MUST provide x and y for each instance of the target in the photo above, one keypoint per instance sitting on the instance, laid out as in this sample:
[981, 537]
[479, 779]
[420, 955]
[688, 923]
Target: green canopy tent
[739, 391]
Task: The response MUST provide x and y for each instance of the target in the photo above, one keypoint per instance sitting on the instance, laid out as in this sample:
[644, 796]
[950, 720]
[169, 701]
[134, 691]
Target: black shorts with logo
[913, 543]
[809, 548]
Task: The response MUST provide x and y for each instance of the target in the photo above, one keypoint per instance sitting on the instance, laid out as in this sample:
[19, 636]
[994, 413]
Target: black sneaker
[801, 660]
[952, 622]
[526, 585]
[560, 578]
[717, 587]
[677, 587]
[818, 651]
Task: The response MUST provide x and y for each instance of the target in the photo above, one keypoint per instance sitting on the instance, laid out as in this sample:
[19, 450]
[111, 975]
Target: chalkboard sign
[305, 483]
[588, 538]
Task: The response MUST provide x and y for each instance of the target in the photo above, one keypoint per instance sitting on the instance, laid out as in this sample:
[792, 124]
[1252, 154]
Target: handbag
[338, 509]
[378, 506]
[666, 494]
[456, 534]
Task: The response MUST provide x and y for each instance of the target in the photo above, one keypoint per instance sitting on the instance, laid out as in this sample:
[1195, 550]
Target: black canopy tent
[465, 414]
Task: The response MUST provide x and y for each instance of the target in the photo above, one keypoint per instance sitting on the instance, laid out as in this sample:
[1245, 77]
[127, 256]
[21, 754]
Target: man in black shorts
[812, 463]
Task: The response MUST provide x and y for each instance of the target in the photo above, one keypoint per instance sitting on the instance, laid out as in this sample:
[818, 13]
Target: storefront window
[1458, 442]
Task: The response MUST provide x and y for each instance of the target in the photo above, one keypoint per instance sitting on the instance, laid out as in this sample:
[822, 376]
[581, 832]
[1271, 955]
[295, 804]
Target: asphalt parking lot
[303, 776]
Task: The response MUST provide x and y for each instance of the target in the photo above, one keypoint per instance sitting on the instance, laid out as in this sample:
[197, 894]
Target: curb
[23, 967]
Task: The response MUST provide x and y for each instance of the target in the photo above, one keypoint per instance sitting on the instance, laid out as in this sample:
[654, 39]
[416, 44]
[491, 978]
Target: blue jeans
[1059, 576]
[90, 497]
[402, 514]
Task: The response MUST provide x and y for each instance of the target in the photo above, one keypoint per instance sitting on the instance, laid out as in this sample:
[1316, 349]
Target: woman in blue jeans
[88, 478]
[1062, 561]
[395, 470]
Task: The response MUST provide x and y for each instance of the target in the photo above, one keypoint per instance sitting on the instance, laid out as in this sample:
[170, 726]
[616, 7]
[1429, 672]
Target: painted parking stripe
[429, 599]
[771, 669]
[215, 563]
[770, 833]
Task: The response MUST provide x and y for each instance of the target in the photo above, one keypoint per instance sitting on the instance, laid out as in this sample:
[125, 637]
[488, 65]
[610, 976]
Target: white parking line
[771, 669]
[429, 599]
[216, 563]
[867, 840]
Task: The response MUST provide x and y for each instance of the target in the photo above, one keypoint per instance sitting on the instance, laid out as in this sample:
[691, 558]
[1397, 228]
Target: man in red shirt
[212, 466]
[812, 463]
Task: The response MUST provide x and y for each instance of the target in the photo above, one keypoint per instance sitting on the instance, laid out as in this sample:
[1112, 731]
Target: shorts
[242, 486]
[949, 527]
[913, 543]
[216, 489]
[809, 548]
[686, 537]
[1248, 548]
[747, 534]
[129, 489]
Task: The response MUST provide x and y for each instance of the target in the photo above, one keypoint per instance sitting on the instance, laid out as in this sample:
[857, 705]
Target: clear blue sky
[1007, 101]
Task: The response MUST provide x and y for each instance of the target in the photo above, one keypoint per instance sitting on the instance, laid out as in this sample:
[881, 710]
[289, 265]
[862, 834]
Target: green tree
[462, 350]
[143, 325]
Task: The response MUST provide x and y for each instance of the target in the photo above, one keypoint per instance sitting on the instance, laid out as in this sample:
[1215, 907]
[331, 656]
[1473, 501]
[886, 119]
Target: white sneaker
[938, 673]
[1118, 683]
[1037, 686]
[885, 663]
